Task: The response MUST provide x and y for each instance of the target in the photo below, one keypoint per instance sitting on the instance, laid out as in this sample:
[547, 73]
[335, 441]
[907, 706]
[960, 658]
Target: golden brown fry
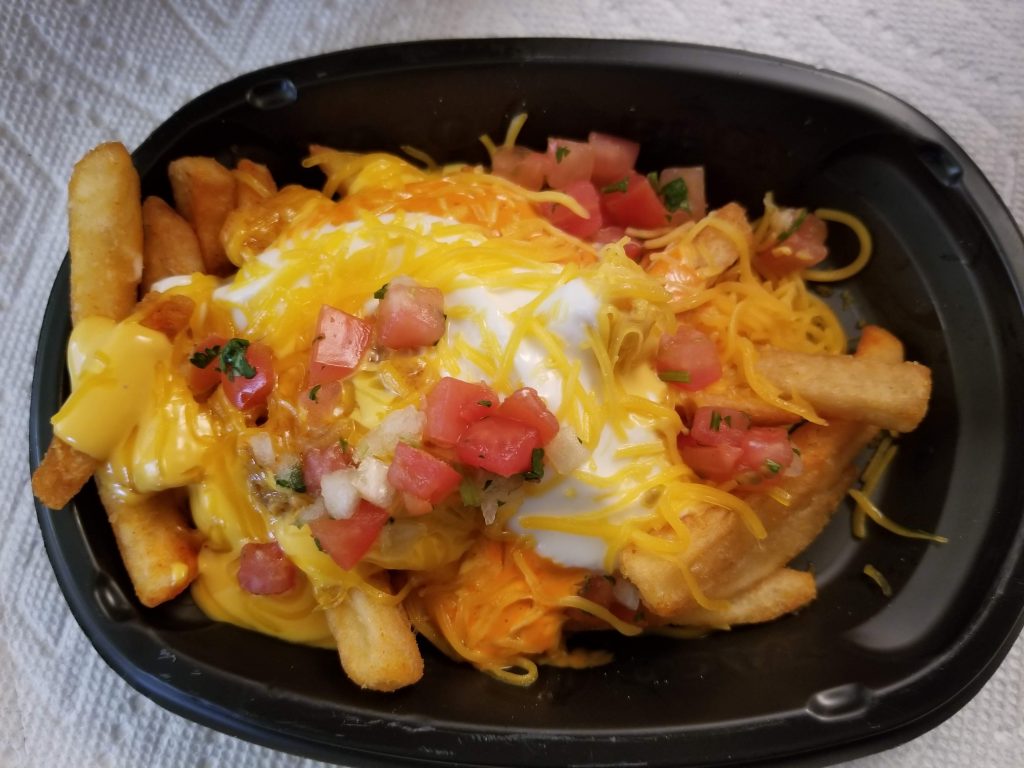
[855, 388]
[779, 593]
[168, 314]
[169, 245]
[159, 549]
[255, 182]
[61, 474]
[376, 644]
[105, 233]
[876, 343]
[205, 193]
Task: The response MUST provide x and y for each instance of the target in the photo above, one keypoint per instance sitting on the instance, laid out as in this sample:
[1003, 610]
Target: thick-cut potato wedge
[779, 593]
[168, 314]
[160, 551]
[205, 193]
[61, 474]
[169, 245]
[255, 182]
[855, 388]
[105, 233]
[376, 644]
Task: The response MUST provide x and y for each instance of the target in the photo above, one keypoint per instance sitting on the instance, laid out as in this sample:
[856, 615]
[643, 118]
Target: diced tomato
[586, 195]
[569, 161]
[202, 380]
[523, 166]
[317, 462]
[264, 569]
[340, 343]
[527, 407]
[606, 235]
[766, 450]
[498, 445]
[714, 462]
[696, 198]
[451, 406]
[718, 426]
[410, 315]
[613, 157]
[320, 400]
[636, 206]
[690, 356]
[802, 249]
[418, 473]
[251, 394]
[346, 541]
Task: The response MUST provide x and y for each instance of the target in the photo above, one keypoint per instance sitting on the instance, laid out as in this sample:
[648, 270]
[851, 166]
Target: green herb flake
[292, 480]
[772, 466]
[344, 444]
[716, 420]
[203, 358]
[536, 471]
[314, 392]
[676, 195]
[561, 153]
[676, 377]
[792, 228]
[380, 292]
[484, 403]
[233, 361]
[622, 185]
[652, 179]
[318, 544]
[470, 493]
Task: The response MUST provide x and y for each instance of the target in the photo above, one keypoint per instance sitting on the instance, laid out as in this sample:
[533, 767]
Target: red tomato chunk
[346, 541]
[688, 359]
[803, 248]
[525, 167]
[715, 462]
[341, 341]
[569, 161]
[421, 475]
[250, 394]
[526, 406]
[586, 195]
[638, 205]
[451, 406]
[410, 316]
[614, 158]
[717, 426]
[498, 445]
[264, 569]
[318, 462]
[202, 380]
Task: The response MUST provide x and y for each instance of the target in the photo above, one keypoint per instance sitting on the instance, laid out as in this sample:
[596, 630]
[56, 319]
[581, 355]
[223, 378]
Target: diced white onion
[500, 492]
[341, 497]
[565, 451]
[626, 593]
[262, 448]
[404, 424]
[311, 512]
[371, 480]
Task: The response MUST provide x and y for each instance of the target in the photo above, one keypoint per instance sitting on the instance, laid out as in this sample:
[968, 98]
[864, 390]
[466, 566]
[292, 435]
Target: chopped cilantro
[484, 403]
[233, 361]
[679, 377]
[470, 493]
[676, 195]
[314, 392]
[203, 358]
[318, 544]
[652, 179]
[379, 293]
[292, 480]
[716, 420]
[561, 153]
[536, 471]
[792, 228]
[622, 185]
[772, 466]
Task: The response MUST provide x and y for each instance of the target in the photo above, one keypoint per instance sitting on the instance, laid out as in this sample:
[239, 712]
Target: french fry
[169, 245]
[205, 193]
[105, 233]
[159, 549]
[255, 182]
[784, 591]
[61, 474]
[855, 388]
[376, 644]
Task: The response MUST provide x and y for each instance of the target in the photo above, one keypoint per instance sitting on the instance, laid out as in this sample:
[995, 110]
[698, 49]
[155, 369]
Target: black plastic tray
[853, 673]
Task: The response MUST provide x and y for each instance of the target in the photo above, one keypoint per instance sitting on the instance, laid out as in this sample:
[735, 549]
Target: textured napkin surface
[76, 74]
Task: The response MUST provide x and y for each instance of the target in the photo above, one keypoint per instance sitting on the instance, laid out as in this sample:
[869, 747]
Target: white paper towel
[77, 73]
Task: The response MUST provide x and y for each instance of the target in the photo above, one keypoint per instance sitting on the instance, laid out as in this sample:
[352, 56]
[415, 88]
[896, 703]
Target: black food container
[853, 673]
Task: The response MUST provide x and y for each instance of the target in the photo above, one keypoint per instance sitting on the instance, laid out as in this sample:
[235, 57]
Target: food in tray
[489, 408]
